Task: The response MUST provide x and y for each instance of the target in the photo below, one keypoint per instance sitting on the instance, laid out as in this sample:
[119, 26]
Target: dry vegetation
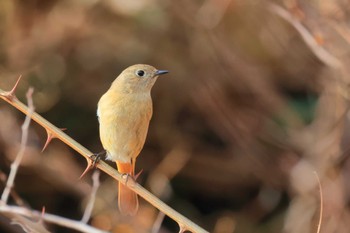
[255, 103]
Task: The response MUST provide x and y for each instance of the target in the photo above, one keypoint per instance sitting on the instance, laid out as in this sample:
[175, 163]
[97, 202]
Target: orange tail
[127, 199]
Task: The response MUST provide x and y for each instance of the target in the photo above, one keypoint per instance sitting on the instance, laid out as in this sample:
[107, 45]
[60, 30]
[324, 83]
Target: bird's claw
[126, 177]
[95, 158]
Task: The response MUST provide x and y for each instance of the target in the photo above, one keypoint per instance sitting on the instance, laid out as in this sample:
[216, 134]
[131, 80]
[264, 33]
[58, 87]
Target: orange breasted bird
[124, 113]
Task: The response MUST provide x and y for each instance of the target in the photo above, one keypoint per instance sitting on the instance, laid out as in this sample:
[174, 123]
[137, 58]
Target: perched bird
[124, 113]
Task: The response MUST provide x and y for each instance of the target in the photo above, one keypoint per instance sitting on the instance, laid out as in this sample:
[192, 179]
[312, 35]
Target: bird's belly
[123, 135]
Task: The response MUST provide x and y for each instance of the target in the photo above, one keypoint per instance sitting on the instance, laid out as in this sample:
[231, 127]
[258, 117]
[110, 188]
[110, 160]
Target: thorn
[126, 176]
[11, 94]
[87, 169]
[182, 228]
[50, 136]
[43, 210]
[138, 174]
[91, 163]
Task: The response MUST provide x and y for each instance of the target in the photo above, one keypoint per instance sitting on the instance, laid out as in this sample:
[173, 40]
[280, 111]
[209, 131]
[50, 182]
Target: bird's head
[137, 78]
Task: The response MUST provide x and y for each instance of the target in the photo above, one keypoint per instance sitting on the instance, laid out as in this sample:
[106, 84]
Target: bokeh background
[254, 106]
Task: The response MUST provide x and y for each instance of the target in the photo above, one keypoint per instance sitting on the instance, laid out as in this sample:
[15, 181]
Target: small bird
[124, 113]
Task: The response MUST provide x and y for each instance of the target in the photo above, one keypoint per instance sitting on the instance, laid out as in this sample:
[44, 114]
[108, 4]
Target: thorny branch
[185, 224]
[22, 211]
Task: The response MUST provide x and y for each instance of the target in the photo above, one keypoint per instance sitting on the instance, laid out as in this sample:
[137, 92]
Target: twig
[321, 203]
[90, 204]
[16, 198]
[184, 222]
[50, 218]
[15, 164]
[318, 50]
[158, 222]
[167, 169]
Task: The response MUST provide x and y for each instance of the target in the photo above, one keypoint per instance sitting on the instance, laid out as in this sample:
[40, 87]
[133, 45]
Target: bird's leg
[126, 177]
[94, 158]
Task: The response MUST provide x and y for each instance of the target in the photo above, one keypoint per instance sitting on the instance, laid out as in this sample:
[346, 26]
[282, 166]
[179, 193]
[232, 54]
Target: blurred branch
[157, 224]
[26, 224]
[310, 41]
[171, 165]
[321, 203]
[15, 164]
[90, 204]
[184, 223]
[29, 225]
[211, 12]
[50, 218]
[16, 198]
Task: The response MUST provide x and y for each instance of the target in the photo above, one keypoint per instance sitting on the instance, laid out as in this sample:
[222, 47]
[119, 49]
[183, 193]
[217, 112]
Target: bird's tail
[127, 199]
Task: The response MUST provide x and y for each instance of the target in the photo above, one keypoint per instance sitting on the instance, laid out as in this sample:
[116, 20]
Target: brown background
[250, 108]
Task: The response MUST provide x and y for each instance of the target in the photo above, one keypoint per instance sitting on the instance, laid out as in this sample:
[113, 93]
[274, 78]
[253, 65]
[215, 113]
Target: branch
[320, 52]
[50, 218]
[183, 222]
[321, 203]
[15, 164]
[91, 202]
[157, 224]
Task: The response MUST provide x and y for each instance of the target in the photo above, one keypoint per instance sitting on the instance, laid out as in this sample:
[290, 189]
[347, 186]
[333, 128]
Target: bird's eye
[140, 73]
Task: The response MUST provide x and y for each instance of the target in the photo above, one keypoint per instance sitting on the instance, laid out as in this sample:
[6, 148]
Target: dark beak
[160, 72]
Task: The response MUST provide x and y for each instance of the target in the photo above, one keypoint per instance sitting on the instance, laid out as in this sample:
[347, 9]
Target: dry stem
[158, 222]
[318, 50]
[321, 203]
[50, 218]
[15, 164]
[91, 202]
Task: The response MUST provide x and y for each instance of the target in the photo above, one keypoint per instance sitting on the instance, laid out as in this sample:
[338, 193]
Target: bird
[124, 113]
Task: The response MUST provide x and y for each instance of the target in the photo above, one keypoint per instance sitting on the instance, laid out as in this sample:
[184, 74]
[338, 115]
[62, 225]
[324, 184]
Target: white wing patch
[98, 114]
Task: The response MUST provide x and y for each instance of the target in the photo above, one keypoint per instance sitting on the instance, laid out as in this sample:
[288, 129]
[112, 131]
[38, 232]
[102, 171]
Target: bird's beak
[160, 72]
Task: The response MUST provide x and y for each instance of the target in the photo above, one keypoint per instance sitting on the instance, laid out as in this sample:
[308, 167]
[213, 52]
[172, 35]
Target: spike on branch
[43, 210]
[11, 94]
[138, 174]
[49, 138]
[182, 228]
[90, 165]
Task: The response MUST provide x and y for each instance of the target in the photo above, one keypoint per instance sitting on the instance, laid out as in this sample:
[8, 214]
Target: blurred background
[254, 106]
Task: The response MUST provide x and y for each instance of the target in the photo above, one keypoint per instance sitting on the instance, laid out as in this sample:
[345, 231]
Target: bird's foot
[127, 176]
[94, 159]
